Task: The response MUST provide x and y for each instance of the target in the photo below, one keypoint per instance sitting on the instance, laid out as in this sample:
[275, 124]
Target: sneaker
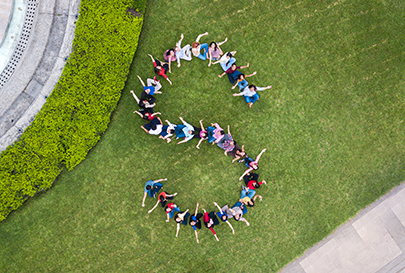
[240, 161]
[154, 78]
[154, 195]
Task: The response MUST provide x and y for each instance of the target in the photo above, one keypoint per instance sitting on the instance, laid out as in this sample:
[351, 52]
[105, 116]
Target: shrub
[79, 108]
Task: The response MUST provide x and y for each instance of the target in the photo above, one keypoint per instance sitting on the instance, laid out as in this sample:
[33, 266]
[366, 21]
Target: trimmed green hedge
[79, 108]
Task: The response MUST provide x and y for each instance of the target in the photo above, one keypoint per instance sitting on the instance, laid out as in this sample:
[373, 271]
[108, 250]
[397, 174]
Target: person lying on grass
[223, 216]
[227, 60]
[250, 93]
[153, 86]
[226, 142]
[214, 51]
[241, 81]
[203, 135]
[217, 134]
[195, 222]
[152, 187]
[181, 218]
[146, 104]
[251, 181]
[248, 197]
[182, 53]
[237, 211]
[197, 47]
[170, 56]
[211, 220]
[238, 153]
[188, 131]
[171, 209]
[160, 68]
[233, 72]
[162, 199]
[251, 164]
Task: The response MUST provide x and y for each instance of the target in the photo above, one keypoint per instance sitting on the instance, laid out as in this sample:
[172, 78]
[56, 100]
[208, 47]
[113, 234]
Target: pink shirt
[169, 58]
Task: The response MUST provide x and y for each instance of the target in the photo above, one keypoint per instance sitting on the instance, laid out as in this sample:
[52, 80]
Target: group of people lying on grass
[215, 55]
[248, 198]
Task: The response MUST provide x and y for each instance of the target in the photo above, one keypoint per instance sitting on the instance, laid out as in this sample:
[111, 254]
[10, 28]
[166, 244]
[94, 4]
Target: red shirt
[230, 71]
[162, 71]
[206, 219]
[250, 184]
[170, 206]
[163, 194]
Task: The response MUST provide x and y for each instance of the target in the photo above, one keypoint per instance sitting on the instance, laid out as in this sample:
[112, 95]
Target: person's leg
[179, 131]
[187, 52]
[150, 82]
[158, 86]
[248, 99]
[150, 193]
[251, 193]
[243, 84]
[228, 65]
[244, 210]
[157, 188]
[204, 48]
[135, 97]
[243, 194]
[158, 63]
[255, 97]
[166, 67]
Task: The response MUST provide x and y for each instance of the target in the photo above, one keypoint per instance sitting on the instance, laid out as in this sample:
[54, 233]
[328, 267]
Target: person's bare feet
[250, 105]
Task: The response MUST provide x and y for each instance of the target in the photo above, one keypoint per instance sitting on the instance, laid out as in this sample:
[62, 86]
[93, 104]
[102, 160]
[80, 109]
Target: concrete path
[373, 241]
[36, 64]
[6, 8]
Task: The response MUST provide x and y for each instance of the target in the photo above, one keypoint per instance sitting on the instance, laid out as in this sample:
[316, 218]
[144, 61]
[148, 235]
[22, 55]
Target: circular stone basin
[5, 17]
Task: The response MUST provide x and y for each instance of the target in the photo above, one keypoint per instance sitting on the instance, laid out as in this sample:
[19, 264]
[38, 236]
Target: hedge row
[78, 110]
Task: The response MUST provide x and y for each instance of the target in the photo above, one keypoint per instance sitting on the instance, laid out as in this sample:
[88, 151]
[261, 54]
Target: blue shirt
[222, 214]
[151, 89]
[149, 183]
[185, 131]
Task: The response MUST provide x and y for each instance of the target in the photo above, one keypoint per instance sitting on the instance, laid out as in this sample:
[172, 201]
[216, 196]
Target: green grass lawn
[332, 124]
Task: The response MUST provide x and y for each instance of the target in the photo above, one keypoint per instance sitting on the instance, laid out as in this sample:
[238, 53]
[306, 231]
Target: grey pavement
[373, 241]
[39, 68]
[6, 7]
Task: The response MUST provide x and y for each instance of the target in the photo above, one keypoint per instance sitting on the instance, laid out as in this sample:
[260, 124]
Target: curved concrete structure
[6, 9]
[35, 68]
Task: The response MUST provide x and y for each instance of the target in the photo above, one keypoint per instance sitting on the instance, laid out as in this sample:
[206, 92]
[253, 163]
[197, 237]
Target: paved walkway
[6, 7]
[38, 68]
[373, 241]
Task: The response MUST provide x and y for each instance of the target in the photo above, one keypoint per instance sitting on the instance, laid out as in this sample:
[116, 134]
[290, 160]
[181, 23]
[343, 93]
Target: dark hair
[157, 70]
[253, 203]
[167, 207]
[229, 54]
[240, 76]
[226, 217]
[171, 131]
[148, 187]
[256, 185]
[222, 132]
[168, 52]
[254, 86]
[216, 46]
[175, 218]
[206, 224]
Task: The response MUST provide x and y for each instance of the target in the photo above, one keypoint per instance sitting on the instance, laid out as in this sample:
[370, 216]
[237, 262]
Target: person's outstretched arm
[144, 198]
[246, 66]
[196, 236]
[196, 210]
[170, 65]
[178, 228]
[168, 217]
[247, 223]
[160, 180]
[263, 88]
[250, 75]
[254, 198]
[258, 157]
[216, 204]
[199, 142]
[201, 35]
[236, 84]
[202, 126]
[223, 74]
[143, 84]
[216, 237]
[246, 172]
[229, 224]
[229, 131]
[154, 207]
[153, 60]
